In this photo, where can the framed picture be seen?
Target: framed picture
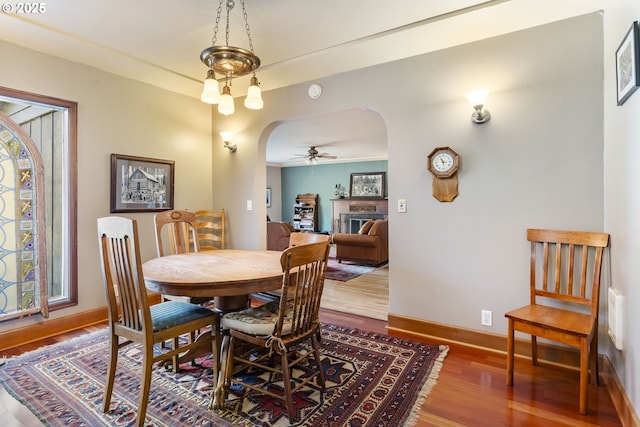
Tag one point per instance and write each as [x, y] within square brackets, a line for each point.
[268, 197]
[627, 71]
[141, 184]
[369, 185]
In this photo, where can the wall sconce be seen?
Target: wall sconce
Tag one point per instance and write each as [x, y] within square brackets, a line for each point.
[226, 137]
[477, 99]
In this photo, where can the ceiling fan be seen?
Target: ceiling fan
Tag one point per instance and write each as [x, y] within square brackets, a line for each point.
[312, 156]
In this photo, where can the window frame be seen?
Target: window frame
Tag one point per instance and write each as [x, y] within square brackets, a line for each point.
[70, 189]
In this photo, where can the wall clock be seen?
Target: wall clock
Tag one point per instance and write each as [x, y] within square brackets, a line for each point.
[443, 163]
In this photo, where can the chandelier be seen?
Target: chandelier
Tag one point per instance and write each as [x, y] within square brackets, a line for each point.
[230, 62]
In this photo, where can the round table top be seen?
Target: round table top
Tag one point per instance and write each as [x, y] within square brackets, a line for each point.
[225, 272]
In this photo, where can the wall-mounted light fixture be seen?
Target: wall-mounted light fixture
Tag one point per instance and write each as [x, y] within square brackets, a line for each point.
[477, 99]
[226, 137]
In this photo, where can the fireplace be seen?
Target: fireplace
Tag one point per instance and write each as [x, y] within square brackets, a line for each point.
[351, 222]
[348, 215]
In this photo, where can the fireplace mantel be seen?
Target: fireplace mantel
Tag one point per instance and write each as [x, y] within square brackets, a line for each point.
[348, 214]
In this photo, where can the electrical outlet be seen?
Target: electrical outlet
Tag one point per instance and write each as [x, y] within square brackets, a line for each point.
[487, 317]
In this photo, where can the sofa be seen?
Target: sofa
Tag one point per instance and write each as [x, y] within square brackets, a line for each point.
[369, 246]
[278, 235]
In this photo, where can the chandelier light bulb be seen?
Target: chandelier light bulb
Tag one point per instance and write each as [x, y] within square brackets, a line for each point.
[226, 105]
[253, 101]
[211, 92]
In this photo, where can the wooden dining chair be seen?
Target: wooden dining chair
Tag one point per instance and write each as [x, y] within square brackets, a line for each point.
[210, 229]
[134, 320]
[277, 327]
[565, 269]
[295, 239]
[179, 228]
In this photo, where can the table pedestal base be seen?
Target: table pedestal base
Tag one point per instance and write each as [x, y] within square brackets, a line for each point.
[231, 303]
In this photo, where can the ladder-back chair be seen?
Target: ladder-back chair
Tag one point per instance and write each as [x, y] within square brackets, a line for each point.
[565, 275]
[210, 229]
[278, 326]
[133, 319]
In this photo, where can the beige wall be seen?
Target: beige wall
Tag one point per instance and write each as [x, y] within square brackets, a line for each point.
[116, 115]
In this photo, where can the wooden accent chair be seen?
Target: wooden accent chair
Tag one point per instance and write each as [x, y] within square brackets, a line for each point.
[279, 325]
[131, 317]
[564, 276]
[210, 229]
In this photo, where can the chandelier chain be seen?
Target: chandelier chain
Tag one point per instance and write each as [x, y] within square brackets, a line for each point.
[215, 28]
[246, 26]
[230, 4]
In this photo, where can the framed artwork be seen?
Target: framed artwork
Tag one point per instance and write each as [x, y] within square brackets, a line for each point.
[627, 70]
[369, 185]
[141, 184]
[268, 197]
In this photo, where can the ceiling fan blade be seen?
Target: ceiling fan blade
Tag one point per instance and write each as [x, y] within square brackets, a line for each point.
[327, 156]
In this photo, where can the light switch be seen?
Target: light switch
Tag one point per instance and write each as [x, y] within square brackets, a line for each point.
[402, 205]
[249, 205]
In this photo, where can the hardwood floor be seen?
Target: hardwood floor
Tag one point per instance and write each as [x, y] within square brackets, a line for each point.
[471, 389]
[366, 295]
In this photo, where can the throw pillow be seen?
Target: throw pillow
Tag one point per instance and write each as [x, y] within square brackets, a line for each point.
[366, 227]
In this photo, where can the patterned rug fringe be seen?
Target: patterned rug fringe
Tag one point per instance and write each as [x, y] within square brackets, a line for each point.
[428, 386]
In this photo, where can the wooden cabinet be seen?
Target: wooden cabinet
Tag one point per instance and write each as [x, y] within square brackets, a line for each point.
[305, 212]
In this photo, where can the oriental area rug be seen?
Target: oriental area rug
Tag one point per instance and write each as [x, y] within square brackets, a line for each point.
[345, 271]
[371, 380]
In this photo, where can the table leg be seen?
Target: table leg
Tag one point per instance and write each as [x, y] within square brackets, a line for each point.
[217, 394]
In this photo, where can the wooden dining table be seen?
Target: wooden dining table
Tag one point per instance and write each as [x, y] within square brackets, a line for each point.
[227, 275]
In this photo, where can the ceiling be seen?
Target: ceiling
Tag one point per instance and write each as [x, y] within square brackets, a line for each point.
[159, 42]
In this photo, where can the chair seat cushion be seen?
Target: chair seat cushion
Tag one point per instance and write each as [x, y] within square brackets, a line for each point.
[171, 313]
[259, 321]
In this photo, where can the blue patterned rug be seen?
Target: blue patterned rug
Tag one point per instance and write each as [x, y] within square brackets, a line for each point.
[371, 380]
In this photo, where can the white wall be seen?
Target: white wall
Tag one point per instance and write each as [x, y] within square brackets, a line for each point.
[622, 196]
[116, 115]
